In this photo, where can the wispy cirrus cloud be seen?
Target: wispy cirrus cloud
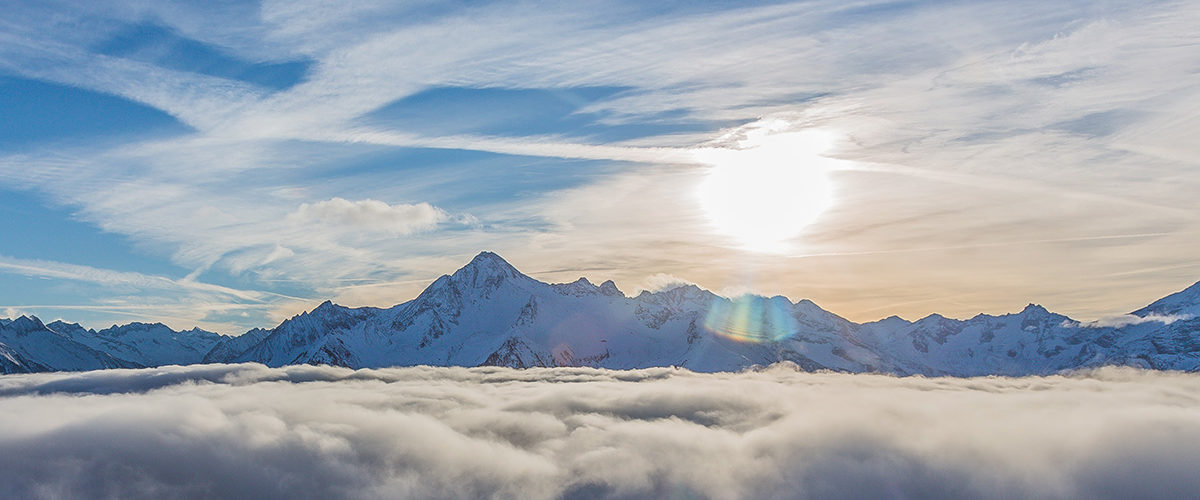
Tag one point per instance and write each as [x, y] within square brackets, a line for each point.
[179, 302]
[48, 269]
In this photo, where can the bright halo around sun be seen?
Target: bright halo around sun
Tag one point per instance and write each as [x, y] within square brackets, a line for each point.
[769, 188]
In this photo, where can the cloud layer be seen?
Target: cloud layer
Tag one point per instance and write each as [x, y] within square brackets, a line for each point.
[247, 431]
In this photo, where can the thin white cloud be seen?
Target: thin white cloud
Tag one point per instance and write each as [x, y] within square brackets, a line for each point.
[1129, 319]
[583, 433]
[547, 146]
[122, 295]
[75, 272]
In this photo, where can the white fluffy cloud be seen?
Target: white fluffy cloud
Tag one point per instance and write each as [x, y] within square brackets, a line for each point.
[663, 281]
[12, 312]
[401, 218]
[250, 431]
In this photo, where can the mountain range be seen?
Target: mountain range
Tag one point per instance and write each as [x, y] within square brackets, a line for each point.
[489, 313]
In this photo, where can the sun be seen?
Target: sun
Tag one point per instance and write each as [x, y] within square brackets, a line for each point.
[769, 188]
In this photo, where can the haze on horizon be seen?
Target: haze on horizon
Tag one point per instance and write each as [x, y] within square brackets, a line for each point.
[228, 166]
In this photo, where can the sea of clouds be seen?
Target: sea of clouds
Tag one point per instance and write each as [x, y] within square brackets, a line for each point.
[248, 431]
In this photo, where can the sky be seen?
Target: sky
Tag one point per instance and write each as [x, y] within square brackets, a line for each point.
[229, 164]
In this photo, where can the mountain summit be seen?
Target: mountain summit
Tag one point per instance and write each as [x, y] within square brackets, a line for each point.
[486, 270]
[489, 313]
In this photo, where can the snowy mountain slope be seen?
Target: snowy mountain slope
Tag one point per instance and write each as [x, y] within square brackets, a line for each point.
[147, 344]
[230, 347]
[11, 361]
[310, 337]
[1031, 341]
[28, 345]
[489, 313]
[1170, 346]
[1181, 304]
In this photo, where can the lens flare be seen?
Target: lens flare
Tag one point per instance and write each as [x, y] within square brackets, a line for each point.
[769, 188]
[751, 318]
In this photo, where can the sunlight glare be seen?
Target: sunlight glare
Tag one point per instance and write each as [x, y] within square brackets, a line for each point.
[769, 188]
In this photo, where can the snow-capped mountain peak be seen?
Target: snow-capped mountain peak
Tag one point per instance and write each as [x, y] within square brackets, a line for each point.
[325, 308]
[582, 286]
[1034, 310]
[578, 287]
[609, 288]
[26, 324]
[486, 270]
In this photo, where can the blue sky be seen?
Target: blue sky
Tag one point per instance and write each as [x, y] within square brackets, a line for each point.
[229, 164]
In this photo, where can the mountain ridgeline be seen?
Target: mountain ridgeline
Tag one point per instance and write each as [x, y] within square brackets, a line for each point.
[488, 313]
